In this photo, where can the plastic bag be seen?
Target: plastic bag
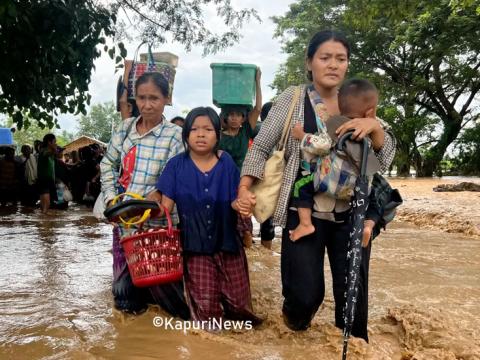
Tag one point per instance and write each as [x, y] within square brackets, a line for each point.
[99, 207]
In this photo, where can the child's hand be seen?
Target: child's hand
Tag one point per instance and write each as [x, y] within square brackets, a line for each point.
[258, 75]
[297, 132]
[244, 208]
[157, 197]
[367, 232]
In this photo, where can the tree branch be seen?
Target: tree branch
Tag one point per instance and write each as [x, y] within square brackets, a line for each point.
[462, 89]
[141, 14]
[439, 89]
[474, 92]
[427, 142]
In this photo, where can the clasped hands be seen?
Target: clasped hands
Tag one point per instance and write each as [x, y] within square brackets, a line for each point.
[245, 202]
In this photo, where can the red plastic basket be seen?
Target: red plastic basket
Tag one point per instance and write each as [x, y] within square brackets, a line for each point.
[154, 255]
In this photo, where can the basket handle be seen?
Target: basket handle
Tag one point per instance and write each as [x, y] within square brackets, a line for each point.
[136, 219]
[169, 221]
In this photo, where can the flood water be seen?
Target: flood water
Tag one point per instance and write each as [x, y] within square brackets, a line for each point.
[55, 300]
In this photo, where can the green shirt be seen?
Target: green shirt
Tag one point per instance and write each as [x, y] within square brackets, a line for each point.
[237, 145]
[46, 166]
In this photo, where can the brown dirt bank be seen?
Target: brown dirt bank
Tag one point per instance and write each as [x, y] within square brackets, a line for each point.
[448, 211]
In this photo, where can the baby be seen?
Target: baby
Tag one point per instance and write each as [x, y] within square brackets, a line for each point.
[357, 98]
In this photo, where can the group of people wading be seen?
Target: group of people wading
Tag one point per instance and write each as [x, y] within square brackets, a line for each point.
[207, 169]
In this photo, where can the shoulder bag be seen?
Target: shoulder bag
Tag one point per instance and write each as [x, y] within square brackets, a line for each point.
[267, 190]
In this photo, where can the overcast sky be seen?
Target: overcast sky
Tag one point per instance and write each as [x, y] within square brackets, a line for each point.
[193, 80]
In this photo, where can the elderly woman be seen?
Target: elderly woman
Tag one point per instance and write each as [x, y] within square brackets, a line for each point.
[136, 156]
[302, 261]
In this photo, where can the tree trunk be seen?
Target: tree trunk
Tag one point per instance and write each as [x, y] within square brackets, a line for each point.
[402, 161]
[431, 161]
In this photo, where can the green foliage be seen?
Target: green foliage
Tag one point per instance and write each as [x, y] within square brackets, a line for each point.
[48, 47]
[467, 162]
[98, 123]
[184, 21]
[64, 137]
[422, 55]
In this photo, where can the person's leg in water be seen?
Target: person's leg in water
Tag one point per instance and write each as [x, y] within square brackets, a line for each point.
[302, 269]
[45, 202]
[202, 287]
[244, 228]
[267, 233]
[303, 199]
[126, 297]
[337, 248]
[235, 287]
[45, 192]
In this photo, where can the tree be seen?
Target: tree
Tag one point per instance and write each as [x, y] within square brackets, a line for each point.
[35, 132]
[423, 56]
[99, 122]
[48, 47]
[468, 147]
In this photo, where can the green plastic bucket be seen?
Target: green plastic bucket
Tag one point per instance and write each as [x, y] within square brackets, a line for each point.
[233, 84]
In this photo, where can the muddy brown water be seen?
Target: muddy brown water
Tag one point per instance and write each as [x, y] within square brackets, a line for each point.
[55, 300]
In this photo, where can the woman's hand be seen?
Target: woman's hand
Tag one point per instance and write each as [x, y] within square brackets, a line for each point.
[363, 127]
[245, 201]
[298, 132]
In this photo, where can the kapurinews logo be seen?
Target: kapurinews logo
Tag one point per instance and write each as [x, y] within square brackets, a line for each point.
[212, 324]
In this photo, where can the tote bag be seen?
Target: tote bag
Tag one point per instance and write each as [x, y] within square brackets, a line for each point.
[267, 190]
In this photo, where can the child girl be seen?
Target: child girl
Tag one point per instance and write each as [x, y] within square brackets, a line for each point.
[239, 129]
[203, 183]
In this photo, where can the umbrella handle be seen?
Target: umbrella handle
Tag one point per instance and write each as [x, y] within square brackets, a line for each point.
[342, 144]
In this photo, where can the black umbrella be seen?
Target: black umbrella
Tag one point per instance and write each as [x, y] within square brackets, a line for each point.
[354, 255]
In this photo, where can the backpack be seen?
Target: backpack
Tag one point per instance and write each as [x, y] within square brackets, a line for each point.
[383, 203]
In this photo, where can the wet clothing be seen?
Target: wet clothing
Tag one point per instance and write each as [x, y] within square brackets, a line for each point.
[132, 299]
[269, 136]
[237, 146]
[267, 230]
[244, 225]
[216, 270]
[302, 261]
[9, 183]
[203, 201]
[153, 149]
[46, 166]
[304, 286]
[218, 285]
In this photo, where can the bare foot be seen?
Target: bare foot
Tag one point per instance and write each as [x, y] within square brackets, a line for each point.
[247, 239]
[301, 231]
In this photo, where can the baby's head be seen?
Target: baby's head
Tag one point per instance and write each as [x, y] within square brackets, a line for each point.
[358, 98]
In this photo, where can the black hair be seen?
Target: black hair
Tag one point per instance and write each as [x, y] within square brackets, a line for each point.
[265, 110]
[181, 118]
[229, 109]
[353, 88]
[25, 147]
[190, 119]
[48, 139]
[157, 79]
[321, 37]
[133, 104]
